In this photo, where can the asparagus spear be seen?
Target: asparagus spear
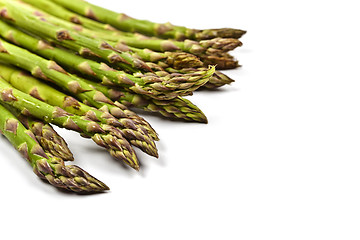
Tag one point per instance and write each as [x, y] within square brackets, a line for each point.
[48, 138]
[208, 47]
[209, 56]
[46, 166]
[177, 60]
[176, 108]
[25, 83]
[51, 142]
[222, 61]
[218, 79]
[104, 135]
[129, 24]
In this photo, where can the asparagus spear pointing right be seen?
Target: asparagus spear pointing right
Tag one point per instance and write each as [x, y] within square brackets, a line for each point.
[51, 142]
[47, 167]
[176, 108]
[48, 138]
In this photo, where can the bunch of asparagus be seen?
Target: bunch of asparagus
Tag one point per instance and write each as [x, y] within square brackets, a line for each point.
[82, 67]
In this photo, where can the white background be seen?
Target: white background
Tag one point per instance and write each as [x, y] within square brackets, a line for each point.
[279, 158]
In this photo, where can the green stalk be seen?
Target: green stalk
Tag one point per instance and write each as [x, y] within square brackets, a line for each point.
[104, 135]
[177, 60]
[61, 12]
[51, 142]
[207, 56]
[223, 61]
[28, 84]
[204, 47]
[176, 108]
[48, 138]
[211, 46]
[129, 24]
[218, 79]
[44, 165]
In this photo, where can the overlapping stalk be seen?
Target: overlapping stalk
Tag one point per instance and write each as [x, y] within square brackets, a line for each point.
[46, 166]
[48, 138]
[176, 108]
[51, 142]
[218, 79]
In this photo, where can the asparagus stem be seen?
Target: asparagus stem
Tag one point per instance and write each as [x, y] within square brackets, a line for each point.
[223, 61]
[63, 13]
[129, 24]
[218, 79]
[51, 142]
[177, 60]
[46, 166]
[176, 108]
[103, 135]
[48, 138]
